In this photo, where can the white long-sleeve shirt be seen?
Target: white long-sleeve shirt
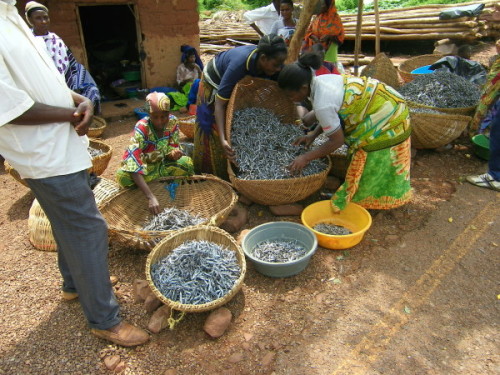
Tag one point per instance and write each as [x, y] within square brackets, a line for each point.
[263, 17]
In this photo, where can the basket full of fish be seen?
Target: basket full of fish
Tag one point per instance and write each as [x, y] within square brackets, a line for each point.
[196, 269]
[260, 127]
[187, 202]
[440, 107]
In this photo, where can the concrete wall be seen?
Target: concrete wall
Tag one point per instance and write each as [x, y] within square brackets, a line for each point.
[165, 25]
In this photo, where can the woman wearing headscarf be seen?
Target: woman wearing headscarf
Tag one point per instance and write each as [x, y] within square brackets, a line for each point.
[154, 150]
[326, 29]
[220, 76]
[77, 77]
[370, 117]
[189, 73]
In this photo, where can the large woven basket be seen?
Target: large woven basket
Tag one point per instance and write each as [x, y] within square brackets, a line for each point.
[186, 125]
[99, 163]
[97, 127]
[40, 230]
[256, 92]
[381, 68]
[205, 195]
[464, 111]
[407, 66]
[433, 130]
[205, 233]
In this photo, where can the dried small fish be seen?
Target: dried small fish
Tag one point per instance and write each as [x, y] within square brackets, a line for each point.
[196, 272]
[332, 229]
[279, 251]
[172, 218]
[263, 146]
[94, 152]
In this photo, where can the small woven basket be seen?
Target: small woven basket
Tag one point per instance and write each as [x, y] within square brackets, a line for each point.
[97, 127]
[382, 69]
[205, 233]
[100, 162]
[40, 230]
[205, 195]
[186, 125]
[262, 93]
[433, 130]
[407, 66]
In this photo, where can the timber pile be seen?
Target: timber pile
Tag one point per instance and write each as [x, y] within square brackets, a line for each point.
[422, 22]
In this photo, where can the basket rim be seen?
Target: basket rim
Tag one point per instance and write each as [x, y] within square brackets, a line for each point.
[444, 110]
[100, 120]
[402, 65]
[206, 306]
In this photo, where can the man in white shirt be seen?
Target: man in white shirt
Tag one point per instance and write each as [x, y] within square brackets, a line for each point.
[42, 135]
[262, 19]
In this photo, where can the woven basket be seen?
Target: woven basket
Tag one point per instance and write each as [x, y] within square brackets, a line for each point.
[186, 125]
[256, 92]
[97, 127]
[464, 111]
[99, 163]
[40, 230]
[126, 213]
[174, 240]
[407, 66]
[382, 69]
[433, 130]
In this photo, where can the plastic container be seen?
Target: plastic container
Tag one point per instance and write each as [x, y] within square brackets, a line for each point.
[353, 217]
[280, 230]
[132, 75]
[422, 70]
[481, 146]
[132, 92]
[140, 113]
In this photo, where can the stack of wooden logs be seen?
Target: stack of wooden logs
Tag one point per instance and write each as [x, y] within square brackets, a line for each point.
[422, 22]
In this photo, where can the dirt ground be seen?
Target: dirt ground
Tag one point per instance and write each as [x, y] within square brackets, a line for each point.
[419, 294]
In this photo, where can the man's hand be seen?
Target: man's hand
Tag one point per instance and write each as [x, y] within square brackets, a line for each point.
[305, 140]
[83, 115]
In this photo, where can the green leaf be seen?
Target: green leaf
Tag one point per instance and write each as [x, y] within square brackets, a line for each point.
[340, 257]
[346, 253]
[407, 310]
[337, 281]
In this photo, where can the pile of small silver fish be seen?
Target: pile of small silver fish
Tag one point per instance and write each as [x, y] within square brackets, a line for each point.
[263, 146]
[279, 251]
[332, 229]
[442, 90]
[94, 152]
[172, 218]
[196, 272]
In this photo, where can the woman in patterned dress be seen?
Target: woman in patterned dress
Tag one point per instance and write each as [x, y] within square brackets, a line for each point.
[370, 117]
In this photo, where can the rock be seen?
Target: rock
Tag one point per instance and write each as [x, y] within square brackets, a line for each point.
[151, 303]
[241, 236]
[237, 218]
[287, 209]
[268, 358]
[170, 371]
[332, 183]
[245, 200]
[120, 367]
[245, 346]
[113, 280]
[248, 336]
[141, 290]
[159, 319]
[217, 322]
[236, 357]
[111, 361]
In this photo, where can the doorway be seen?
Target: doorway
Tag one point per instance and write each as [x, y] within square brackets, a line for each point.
[111, 40]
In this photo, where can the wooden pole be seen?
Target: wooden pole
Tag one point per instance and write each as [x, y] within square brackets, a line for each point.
[357, 40]
[377, 28]
[300, 30]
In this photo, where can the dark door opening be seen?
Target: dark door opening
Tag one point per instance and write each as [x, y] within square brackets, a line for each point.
[110, 38]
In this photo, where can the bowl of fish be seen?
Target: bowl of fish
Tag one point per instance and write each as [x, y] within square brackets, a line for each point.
[337, 231]
[280, 249]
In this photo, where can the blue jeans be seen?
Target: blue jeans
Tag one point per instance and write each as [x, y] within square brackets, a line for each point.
[81, 235]
[494, 161]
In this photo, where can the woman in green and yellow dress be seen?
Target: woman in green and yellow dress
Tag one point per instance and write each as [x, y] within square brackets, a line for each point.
[154, 150]
[370, 117]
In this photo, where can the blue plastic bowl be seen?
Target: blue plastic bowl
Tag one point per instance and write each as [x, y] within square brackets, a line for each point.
[280, 230]
[422, 70]
[139, 112]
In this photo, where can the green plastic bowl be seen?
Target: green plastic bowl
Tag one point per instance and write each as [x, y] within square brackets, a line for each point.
[481, 146]
[280, 230]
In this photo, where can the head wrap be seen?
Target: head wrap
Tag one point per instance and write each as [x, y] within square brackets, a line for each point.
[31, 6]
[185, 49]
[157, 101]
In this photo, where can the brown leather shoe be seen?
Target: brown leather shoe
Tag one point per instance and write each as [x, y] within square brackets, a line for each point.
[123, 334]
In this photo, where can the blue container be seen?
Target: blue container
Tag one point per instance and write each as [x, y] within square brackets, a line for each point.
[422, 70]
[280, 230]
[140, 113]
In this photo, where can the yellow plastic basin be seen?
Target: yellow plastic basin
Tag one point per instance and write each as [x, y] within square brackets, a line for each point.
[353, 217]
